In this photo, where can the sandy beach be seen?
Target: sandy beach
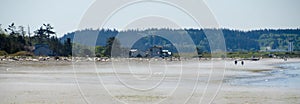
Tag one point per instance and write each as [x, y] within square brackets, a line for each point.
[192, 81]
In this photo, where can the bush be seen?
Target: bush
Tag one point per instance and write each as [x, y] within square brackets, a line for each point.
[23, 53]
[3, 53]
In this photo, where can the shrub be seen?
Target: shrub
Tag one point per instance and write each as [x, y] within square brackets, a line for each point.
[3, 53]
[23, 53]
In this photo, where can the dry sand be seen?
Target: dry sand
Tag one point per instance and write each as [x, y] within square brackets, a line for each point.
[140, 82]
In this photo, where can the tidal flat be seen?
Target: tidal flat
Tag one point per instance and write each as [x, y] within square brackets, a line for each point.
[267, 81]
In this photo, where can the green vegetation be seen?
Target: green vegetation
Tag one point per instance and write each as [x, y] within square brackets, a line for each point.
[14, 41]
[243, 44]
[262, 54]
[279, 41]
[22, 53]
[3, 53]
[98, 51]
[235, 40]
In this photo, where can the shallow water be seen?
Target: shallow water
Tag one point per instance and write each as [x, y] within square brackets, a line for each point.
[286, 75]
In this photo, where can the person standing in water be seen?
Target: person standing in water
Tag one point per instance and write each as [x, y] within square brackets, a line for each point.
[235, 62]
[242, 62]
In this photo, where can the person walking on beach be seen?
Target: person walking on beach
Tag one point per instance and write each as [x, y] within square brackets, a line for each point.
[242, 62]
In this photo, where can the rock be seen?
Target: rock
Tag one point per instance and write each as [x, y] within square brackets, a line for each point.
[35, 60]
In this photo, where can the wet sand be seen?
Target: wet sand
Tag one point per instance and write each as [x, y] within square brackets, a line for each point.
[188, 81]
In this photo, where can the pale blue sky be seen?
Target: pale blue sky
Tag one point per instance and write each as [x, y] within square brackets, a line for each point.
[256, 14]
[65, 15]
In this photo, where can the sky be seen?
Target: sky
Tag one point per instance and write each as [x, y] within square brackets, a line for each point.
[66, 15]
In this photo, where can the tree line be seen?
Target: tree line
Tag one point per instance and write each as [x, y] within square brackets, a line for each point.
[235, 40]
[14, 39]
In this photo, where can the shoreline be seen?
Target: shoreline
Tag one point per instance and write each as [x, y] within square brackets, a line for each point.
[264, 75]
[105, 59]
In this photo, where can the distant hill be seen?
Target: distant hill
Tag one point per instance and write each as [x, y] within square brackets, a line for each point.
[235, 40]
[103, 35]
